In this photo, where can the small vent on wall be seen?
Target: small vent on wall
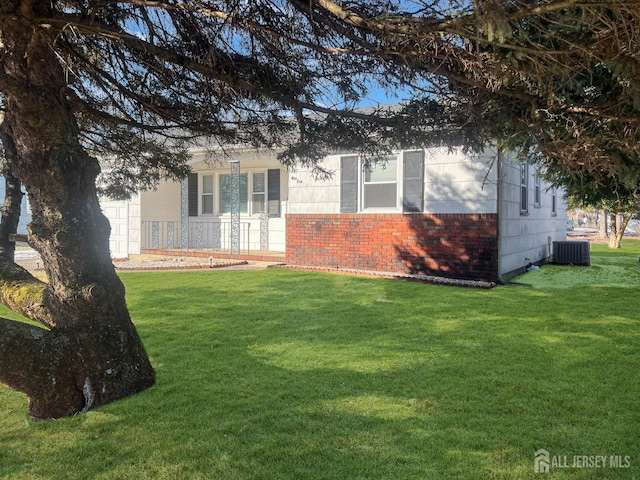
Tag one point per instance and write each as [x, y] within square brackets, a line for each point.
[571, 253]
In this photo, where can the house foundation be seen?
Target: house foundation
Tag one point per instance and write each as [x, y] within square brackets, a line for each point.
[450, 245]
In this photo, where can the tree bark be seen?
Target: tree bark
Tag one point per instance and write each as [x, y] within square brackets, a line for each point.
[602, 223]
[90, 353]
[619, 224]
[614, 239]
[12, 201]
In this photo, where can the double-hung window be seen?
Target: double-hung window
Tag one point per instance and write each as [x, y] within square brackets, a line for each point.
[537, 189]
[258, 193]
[393, 183]
[380, 186]
[207, 194]
[554, 201]
[524, 189]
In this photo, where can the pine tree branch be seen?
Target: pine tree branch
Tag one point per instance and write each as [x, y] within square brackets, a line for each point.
[24, 294]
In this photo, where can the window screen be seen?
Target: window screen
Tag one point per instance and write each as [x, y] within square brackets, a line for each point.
[381, 184]
[258, 193]
[207, 194]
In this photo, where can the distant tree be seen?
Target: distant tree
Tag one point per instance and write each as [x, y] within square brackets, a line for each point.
[618, 200]
[133, 82]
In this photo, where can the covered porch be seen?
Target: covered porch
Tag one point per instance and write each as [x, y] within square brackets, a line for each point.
[216, 238]
[223, 210]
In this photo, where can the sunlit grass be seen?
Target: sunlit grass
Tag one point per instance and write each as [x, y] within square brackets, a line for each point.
[290, 375]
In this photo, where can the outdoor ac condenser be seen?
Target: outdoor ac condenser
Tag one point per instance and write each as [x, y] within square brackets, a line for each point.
[571, 253]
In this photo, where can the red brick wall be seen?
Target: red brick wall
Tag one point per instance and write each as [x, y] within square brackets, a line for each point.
[451, 245]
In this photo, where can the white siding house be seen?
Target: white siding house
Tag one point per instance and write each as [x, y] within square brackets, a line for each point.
[532, 216]
[435, 211]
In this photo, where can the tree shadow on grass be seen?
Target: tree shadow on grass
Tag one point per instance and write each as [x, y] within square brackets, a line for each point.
[363, 379]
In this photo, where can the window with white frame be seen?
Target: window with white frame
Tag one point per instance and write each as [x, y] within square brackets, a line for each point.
[380, 184]
[258, 191]
[393, 183]
[554, 204]
[537, 189]
[524, 189]
[210, 193]
[207, 194]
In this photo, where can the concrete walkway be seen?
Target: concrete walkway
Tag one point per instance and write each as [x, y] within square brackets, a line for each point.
[30, 260]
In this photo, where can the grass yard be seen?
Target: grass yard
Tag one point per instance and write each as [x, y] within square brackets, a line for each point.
[282, 374]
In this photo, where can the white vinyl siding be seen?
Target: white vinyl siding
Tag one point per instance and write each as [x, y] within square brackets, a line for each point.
[526, 238]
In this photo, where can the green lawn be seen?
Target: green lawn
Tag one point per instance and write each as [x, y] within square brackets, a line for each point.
[282, 374]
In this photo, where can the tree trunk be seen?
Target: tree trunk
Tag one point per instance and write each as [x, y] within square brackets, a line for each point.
[10, 217]
[614, 238]
[90, 353]
[619, 224]
[602, 223]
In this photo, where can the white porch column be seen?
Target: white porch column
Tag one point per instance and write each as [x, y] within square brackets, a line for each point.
[235, 208]
[184, 214]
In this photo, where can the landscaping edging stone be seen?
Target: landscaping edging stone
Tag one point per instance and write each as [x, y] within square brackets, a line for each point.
[398, 276]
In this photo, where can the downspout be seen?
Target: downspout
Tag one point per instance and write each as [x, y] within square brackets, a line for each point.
[499, 210]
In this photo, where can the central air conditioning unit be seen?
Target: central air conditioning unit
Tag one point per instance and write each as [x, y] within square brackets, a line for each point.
[571, 253]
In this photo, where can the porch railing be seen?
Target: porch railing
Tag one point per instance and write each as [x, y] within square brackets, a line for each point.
[159, 235]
